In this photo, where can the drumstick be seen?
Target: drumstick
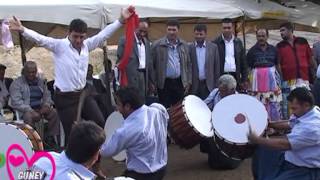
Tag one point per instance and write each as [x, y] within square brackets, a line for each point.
[249, 124]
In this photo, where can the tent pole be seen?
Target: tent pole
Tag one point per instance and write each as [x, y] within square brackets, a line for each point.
[23, 52]
[244, 31]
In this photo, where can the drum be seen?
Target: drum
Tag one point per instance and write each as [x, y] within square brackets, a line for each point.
[190, 121]
[113, 122]
[231, 119]
[23, 135]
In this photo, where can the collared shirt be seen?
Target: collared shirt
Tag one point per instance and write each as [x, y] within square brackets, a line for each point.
[213, 98]
[305, 140]
[141, 53]
[173, 65]
[66, 169]
[257, 57]
[70, 66]
[318, 71]
[201, 59]
[230, 61]
[143, 135]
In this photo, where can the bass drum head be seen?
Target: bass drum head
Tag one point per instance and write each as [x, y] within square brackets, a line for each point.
[232, 115]
[114, 121]
[198, 114]
[11, 134]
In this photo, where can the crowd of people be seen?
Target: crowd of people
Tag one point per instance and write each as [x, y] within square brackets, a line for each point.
[282, 77]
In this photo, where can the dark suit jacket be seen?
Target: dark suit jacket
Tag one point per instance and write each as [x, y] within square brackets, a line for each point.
[8, 82]
[240, 58]
[133, 65]
[212, 66]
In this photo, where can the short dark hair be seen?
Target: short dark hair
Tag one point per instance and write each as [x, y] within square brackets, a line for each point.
[302, 95]
[200, 27]
[287, 25]
[131, 96]
[226, 20]
[3, 67]
[84, 141]
[78, 25]
[267, 31]
[173, 22]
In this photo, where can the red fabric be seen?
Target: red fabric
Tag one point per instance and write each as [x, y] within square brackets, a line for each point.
[131, 25]
[292, 67]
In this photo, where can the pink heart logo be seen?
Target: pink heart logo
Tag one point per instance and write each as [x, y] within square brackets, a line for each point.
[17, 161]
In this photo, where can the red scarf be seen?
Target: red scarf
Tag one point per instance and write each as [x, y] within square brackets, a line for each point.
[131, 25]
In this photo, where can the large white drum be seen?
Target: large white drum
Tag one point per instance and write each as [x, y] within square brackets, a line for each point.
[113, 122]
[190, 121]
[23, 135]
[231, 118]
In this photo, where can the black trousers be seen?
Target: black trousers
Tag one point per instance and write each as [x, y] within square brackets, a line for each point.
[202, 91]
[158, 175]
[172, 92]
[67, 103]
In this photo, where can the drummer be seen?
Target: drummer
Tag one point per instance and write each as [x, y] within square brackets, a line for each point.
[143, 135]
[301, 159]
[226, 86]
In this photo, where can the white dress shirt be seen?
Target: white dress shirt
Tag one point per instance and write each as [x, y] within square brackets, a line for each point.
[201, 60]
[230, 62]
[141, 53]
[65, 168]
[71, 67]
[318, 71]
[143, 135]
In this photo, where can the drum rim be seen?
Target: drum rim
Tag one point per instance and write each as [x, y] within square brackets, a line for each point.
[24, 134]
[259, 134]
[189, 122]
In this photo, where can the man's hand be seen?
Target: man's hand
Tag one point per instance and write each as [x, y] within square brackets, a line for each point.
[253, 137]
[45, 109]
[126, 13]
[35, 116]
[152, 89]
[16, 25]
[187, 89]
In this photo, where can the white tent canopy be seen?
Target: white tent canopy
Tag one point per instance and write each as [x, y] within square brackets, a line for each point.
[97, 12]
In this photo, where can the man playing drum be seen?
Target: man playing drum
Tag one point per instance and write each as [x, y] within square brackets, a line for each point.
[301, 159]
[226, 86]
[143, 135]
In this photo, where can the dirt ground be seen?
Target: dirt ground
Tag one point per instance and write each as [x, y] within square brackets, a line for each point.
[187, 165]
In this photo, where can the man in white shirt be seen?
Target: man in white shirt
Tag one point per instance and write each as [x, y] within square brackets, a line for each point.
[81, 153]
[71, 57]
[143, 135]
[232, 54]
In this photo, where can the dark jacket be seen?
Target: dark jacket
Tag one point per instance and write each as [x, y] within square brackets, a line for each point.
[240, 58]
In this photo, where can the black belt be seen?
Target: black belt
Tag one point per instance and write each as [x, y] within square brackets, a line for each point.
[142, 70]
[76, 92]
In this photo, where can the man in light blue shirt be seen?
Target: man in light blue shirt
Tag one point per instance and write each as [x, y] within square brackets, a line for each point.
[302, 145]
[81, 154]
[143, 135]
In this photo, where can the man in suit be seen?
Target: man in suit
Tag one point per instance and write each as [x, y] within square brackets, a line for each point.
[205, 63]
[172, 65]
[139, 68]
[232, 54]
[4, 87]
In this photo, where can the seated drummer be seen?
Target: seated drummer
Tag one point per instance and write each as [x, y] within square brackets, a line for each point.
[226, 86]
[301, 159]
[143, 135]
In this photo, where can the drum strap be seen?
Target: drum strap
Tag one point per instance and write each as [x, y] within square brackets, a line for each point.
[211, 104]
